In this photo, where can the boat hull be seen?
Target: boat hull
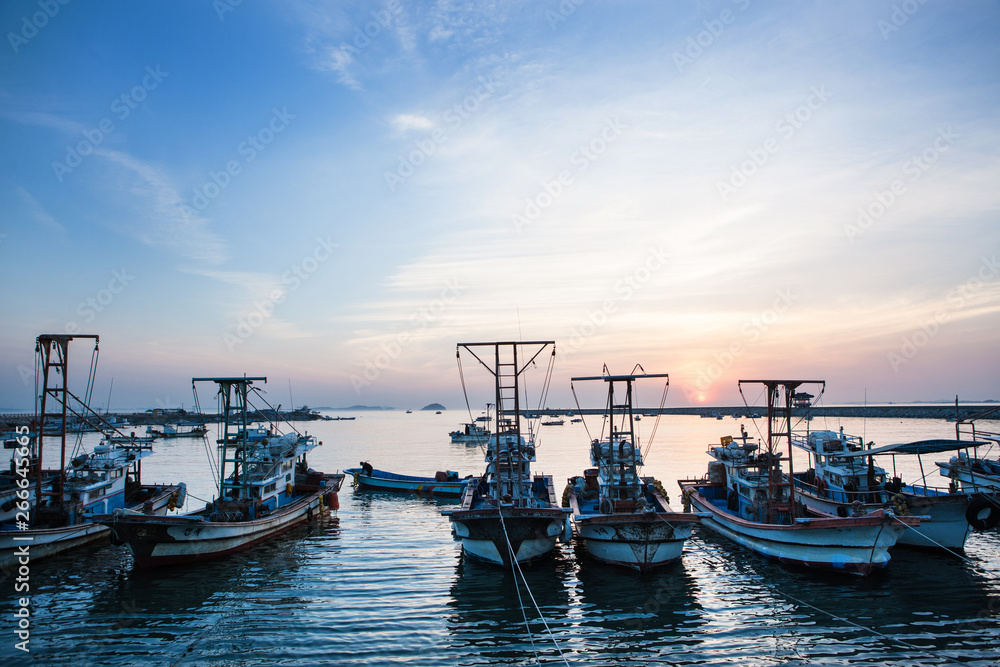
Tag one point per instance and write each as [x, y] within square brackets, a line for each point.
[637, 541]
[42, 542]
[426, 486]
[491, 535]
[946, 528]
[856, 545]
[160, 541]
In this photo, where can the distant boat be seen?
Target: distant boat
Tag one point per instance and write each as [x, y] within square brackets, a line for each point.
[471, 434]
[266, 487]
[171, 431]
[445, 484]
[622, 518]
[553, 422]
[508, 516]
[751, 501]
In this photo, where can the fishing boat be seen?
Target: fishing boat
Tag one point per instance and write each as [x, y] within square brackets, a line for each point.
[973, 473]
[622, 518]
[752, 501]
[509, 516]
[265, 488]
[445, 484]
[844, 472]
[55, 510]
[471, 434]
[171, 431]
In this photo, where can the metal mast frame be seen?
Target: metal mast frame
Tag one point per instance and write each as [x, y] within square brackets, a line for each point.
[53, 352]
[622, 490]
[781, 398]
[235, 434]
[505, 445]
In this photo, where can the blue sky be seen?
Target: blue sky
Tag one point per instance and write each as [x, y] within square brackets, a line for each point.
[333, 195]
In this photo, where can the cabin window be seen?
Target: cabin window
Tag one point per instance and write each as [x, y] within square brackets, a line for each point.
[288, 478]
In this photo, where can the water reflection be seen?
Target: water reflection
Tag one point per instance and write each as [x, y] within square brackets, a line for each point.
[488, 605]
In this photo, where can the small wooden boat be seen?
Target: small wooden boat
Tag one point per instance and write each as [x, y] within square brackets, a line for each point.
[751, 501]
[444, 484]
[508, 516]
[171, 431]
[269, 490]
[622, 518]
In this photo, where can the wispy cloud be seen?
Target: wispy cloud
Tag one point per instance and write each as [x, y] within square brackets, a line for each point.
[43, 119]
[156, 215]
[37, 212]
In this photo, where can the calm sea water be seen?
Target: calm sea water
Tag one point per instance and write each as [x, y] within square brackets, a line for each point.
[385, 583]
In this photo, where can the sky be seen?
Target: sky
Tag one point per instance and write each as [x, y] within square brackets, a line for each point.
[333, 195]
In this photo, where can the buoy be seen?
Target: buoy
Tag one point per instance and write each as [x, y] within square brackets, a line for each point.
[334, 501]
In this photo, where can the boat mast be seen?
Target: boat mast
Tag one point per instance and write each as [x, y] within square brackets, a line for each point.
[781, 398]
[505, 452]
[235, 434]
[622, 461]
[53, 353]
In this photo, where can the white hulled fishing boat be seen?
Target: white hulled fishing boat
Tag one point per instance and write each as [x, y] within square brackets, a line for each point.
[507, 515]
[265, 488]
[752, 501]
[844, 472]
[622, 518]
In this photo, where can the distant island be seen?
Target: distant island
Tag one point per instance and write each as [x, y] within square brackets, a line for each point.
[434, 406]
[361, 407]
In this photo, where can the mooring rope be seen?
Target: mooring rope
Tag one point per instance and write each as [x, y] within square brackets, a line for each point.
[968, 561]
[782, 593]
[517, 566]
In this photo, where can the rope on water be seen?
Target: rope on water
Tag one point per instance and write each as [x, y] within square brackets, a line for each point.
[517, 566]
[782, 593]
[968, 561]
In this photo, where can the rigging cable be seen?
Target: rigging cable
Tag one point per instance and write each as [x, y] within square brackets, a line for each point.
[580, 412]
[87, 393]
[656, 422]
[465, 393]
